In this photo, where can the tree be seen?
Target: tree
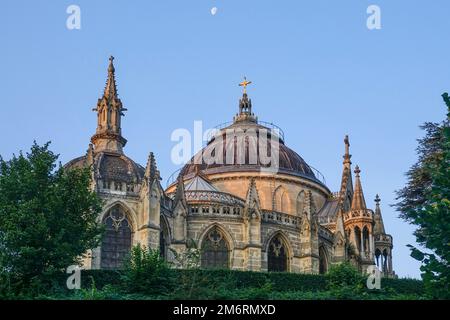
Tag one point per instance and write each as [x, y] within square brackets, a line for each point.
[48, 216]
[425, 202]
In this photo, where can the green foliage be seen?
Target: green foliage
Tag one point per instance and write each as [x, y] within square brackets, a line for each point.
[425, 202]
[232, 284]
[147, 272]
[47, 218]
[403, 286]
[101, 278]
[244, 285]
[344, 275]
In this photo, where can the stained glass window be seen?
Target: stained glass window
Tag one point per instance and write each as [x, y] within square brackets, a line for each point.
[215, 250]
[116, 242]
[277, 255]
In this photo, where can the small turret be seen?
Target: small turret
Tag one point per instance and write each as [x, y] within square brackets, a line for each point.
[358, 202]
[108, 136]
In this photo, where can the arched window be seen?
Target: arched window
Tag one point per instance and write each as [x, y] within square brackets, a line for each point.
[300, 202]
[366, 239]
[215, 250]
[385, 261]
[280, 200]
[323, 261]
[377, 257]
[163, 239]
[277, 255]
[116, 242]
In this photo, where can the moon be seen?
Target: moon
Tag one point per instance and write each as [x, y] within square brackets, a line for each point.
[214, 11]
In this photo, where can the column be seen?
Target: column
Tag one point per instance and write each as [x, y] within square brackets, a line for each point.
[362, 244]
[371, 244]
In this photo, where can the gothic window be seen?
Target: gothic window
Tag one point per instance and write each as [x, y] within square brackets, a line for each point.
[323, 261]
[226, 210]
[377, 257]
[277, 255]
[366, 239]
[385, 262]
[215, 251]
[205, 209]
[116, 242]
[163, 239]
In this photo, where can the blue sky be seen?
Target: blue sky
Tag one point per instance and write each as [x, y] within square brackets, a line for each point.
[317, 72]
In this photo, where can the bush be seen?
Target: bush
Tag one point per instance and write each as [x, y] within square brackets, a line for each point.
[147, 272]
[101, 278]
[344, 276]
[150, 278]
[404, 286]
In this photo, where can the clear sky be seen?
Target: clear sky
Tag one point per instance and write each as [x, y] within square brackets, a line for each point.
[317, 72]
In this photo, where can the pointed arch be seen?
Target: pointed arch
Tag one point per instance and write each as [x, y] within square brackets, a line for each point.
[118, 237]
[323, 260]
[278, 251]
[366, 239]
[300, 202]
[377, 257]
[164, 237]
[280, 199]
[385, 256]
[131, 215]
[216, 248]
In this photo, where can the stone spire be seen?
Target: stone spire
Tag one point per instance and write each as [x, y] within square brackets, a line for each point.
[358, 202]
[245, 105]
[347, 154]
[346, 190]
[379, 225]
[108, 136]
[180, 196]
[252, 198]
[151, 170]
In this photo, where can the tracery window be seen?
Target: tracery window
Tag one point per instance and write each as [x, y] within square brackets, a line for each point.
[277, 255]
[215, 250]
[116, 242]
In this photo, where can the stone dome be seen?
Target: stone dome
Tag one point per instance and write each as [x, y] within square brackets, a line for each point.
[252, 132]
[112, 166]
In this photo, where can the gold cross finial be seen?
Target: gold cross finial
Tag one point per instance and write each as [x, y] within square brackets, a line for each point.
[244, 84]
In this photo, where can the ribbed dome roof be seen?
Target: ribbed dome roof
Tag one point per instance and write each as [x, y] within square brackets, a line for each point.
[112, 166]
[250, 134]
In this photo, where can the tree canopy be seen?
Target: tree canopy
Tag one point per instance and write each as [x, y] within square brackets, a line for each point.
[425, 202]
[48, 215]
